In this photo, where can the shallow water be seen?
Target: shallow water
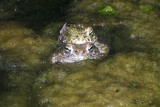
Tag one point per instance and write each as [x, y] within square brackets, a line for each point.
[129, 76]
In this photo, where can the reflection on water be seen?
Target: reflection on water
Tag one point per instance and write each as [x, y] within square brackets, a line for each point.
[128, 76]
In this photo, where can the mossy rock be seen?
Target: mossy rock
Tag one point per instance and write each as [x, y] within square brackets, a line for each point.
[22, 47]
[116, 78]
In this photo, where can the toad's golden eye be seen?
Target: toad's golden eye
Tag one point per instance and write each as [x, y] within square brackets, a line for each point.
[91, 48]
[67, 49]
[91, 32]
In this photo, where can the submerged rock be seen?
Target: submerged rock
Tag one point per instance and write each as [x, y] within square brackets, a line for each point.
[123, 80]
[21, 47]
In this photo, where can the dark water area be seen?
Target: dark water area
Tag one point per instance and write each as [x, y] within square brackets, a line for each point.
[129, 76]
[34, 13]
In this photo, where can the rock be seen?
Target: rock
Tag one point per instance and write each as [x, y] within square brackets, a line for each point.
[130, 79]
[21, 47]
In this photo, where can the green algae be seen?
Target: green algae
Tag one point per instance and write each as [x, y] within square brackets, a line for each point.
[22, 46]
[146, 8]
[106, 10]
[21, 50]
[117, 78]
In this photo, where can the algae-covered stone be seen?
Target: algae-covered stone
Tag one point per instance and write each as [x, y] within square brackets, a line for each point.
[134, 74]
[21, 47]
[106, 10]
[123, 80]
[146, 8]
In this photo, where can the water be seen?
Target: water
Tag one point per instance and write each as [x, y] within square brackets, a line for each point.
[128, 76]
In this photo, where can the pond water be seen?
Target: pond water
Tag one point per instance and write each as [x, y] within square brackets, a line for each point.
[129, 76]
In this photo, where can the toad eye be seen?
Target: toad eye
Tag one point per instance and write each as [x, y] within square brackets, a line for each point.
[67, 49]
[91, 48]
[91, 32]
